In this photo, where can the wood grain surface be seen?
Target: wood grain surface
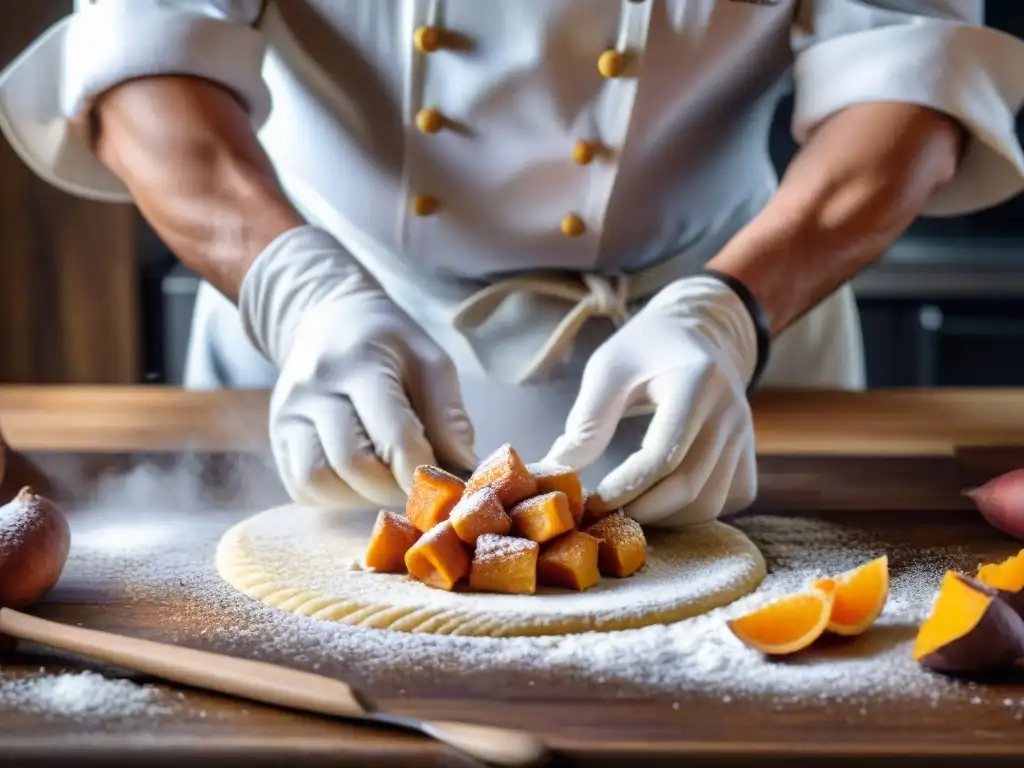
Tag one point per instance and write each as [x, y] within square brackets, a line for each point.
[877, 423]
[911, 502]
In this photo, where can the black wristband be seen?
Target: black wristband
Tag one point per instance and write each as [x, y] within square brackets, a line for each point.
[762, 329]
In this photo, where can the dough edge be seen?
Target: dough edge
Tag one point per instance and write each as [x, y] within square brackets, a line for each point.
[235, 567]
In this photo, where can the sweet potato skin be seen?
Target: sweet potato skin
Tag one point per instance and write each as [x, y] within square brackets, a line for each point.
[1001, 502]
[995, 642]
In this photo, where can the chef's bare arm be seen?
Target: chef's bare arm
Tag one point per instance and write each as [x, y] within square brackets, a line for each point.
[854, 187]
[902, 108]
[186, 150]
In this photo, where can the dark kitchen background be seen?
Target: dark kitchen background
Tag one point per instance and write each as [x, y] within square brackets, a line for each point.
[89, 295]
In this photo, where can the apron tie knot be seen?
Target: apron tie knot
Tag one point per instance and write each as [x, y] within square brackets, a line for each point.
[606, 299]
[592, 296]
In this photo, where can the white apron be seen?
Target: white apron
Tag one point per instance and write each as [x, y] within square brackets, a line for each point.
[519, 344]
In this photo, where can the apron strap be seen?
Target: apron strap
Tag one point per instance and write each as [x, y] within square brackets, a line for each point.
[594, 296]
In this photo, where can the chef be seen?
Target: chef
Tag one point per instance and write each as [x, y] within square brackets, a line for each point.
[435, 226]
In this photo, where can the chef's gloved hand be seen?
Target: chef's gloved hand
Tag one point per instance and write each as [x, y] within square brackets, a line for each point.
[688, 357]
[363, 395]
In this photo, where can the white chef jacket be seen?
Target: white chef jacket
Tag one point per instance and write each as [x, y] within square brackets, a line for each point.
[450, 144]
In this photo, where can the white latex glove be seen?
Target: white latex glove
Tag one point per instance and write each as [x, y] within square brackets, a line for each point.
[363, 395]
[687, 357]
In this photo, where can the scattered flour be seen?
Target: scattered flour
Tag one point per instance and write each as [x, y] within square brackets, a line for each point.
[491, 548]
[83, 696]
[163, 560]
[17, 518]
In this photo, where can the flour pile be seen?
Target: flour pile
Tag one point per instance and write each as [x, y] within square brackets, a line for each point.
[84, 696]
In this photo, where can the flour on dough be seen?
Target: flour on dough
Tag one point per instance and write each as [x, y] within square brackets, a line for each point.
[301, 560]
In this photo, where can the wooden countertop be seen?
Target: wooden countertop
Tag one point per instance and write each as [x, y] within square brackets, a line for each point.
[923, 432]
[876, 423]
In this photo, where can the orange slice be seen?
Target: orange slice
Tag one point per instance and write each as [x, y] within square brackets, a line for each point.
[860, 596]
[1007, 575]
[787, 625]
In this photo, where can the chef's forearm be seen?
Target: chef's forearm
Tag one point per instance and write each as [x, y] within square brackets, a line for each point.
[188, 154]
[851, 191]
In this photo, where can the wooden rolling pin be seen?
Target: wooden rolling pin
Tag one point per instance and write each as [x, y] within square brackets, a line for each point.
[266, 683]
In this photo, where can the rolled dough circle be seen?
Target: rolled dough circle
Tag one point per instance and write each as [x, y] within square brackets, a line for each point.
[307, 561]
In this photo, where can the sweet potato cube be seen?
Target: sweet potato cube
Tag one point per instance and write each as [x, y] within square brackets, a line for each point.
[391, 538]
[554, 477]
[505, 472]
[623, 548]
[439, 559]
[570, 562]
[543, 517]
[504, 564]
[478, 513]
[433, 495]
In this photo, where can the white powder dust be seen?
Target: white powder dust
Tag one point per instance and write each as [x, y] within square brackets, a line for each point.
[491, 548]
[84, 696]
[17, 518]
[162, 561]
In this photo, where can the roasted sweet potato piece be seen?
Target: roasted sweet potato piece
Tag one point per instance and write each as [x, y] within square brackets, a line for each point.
[477, 513]
[391, 538]
[570, 562]
[1007, 575]
[505, 472]
[433, 495]
[554, 477]
[1008, 578]
[623, 549]
[439, 559]
[504, 564]
[971, 628]
[541, 518]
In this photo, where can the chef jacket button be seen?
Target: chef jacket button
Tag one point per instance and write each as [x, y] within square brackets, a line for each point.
[583, 152]
[611, 63]
[427, 39]
[429, 120]
[424, 205]
[572, 225]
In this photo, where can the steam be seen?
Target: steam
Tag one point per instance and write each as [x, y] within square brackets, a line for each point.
[165, 482]
[156, 502]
